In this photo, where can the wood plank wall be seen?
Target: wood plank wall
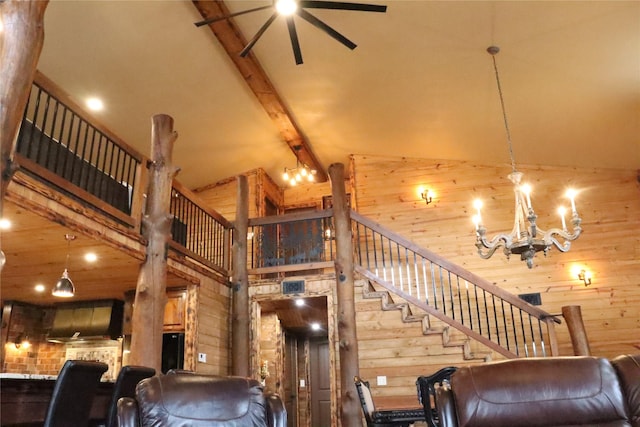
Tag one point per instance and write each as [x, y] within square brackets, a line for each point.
[221, 196]
[207, 329]
[609, 203]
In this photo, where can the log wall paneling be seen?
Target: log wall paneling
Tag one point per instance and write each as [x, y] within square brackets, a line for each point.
[609, 202]
[266, 290]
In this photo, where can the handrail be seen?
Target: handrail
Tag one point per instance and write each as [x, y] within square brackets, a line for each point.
[447, 291]
[199, 231]
[298, 241]
[454, 268]
[64, 145]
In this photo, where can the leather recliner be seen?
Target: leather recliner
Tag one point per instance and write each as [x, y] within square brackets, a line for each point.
[195, 400]
[540, 392]
[628, 368]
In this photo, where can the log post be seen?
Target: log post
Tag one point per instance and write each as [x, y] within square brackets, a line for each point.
[573, 316]
[151, 295]
[240, 340]
[21, 39]
[348, 340]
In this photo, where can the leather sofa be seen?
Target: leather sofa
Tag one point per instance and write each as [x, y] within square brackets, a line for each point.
[180, 400]
[544, 392]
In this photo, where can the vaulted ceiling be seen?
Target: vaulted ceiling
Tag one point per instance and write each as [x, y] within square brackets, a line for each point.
[419, 81]
[419, 84]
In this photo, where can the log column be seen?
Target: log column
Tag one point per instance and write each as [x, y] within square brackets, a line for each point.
[151, 289]
[348, 340]
[240, 284]
[573, 316]
[21, 39]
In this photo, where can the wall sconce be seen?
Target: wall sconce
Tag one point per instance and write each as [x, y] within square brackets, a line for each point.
[585, 276]
[427, 195]
[22, 341]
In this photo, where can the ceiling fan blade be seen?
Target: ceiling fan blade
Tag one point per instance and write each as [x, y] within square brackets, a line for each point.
[259, 34]
[295, 44]
[319, 4]
[327, 29]
[220, 18]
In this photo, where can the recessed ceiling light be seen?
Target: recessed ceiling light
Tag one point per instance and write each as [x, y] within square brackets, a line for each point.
[90, 257]
[39, 287]
[5, 224]
[95, 104]
[315, 326]
[299, 302]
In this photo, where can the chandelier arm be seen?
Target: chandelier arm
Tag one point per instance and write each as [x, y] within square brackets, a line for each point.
[495, 243]
[549, 238]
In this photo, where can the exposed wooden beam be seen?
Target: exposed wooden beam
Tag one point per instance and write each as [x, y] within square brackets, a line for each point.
[232, 40]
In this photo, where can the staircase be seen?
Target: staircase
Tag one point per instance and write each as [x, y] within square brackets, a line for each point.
[426, 282]
[408, 316]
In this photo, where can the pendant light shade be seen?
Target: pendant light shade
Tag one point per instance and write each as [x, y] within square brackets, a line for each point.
[64, 288]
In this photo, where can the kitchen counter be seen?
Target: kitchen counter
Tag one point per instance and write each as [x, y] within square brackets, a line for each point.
[24, 399]
[16, 376]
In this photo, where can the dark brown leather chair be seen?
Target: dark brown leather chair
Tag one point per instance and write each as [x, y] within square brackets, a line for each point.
[535, 392]
[73, 393]
[125, 386]
[628, 369]
[201, 400]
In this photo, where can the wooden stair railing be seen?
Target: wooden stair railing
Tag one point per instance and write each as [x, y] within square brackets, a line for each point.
[490, 315]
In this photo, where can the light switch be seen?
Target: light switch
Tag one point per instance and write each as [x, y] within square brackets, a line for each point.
[382, 380]
[202, 357]
[302, 384]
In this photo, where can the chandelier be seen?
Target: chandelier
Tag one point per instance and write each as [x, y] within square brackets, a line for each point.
[298, 174]
[526, 238]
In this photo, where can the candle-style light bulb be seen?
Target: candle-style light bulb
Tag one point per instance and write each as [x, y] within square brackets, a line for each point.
[562, 210]
[526, 189]
[476, 221]
[571, 194]
[477, 204]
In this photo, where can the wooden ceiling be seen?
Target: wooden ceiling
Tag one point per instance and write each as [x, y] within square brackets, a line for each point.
[298, 319]
[36, 251]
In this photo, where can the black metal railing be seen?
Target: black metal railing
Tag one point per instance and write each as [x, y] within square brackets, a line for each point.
[204, 233]
[483, 311]
[291, 242]
[56, 138]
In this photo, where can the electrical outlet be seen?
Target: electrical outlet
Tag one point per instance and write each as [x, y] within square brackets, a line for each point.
[302, 384]
[202, 357]
[382, 380]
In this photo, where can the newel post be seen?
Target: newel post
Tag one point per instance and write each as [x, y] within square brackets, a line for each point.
[348, 340]
[573, 316]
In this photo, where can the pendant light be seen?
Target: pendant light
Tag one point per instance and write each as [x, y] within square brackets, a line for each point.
[64, 288]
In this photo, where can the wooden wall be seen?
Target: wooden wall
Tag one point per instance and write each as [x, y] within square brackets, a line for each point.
[208, 296]
[222, 195]
[608, 202]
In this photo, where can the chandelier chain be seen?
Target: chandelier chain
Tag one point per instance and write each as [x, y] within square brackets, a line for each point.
[504, 113]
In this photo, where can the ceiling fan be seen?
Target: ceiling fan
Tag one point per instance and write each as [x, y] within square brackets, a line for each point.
[288, 8]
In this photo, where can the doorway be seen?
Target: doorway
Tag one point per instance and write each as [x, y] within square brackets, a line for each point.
[301, 355]
[319, 382]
